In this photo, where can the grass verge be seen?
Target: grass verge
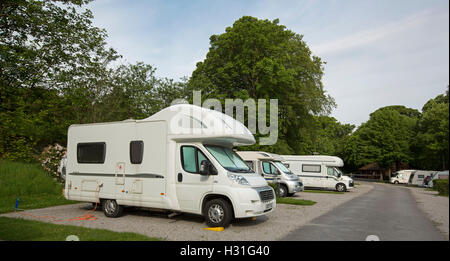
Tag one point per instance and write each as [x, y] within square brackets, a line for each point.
[292, 201]
[16, 229]
[35, 187]
[322, 191]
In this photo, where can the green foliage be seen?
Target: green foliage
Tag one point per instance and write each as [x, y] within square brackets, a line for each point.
[261, 59]
[55, 71]
[35, 187]
[384, 139]
[431, 147]
[442, 186]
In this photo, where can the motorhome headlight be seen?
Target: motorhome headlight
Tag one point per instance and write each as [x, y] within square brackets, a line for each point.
[238, 179]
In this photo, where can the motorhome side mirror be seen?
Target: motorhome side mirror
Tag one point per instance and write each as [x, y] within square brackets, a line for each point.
[206, 168]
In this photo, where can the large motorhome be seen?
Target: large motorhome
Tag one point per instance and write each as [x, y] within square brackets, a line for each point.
[180, 159]
[401, 176]
[317, 171]
[270, 166]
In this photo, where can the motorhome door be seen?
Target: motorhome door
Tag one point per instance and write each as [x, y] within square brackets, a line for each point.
[190, 185]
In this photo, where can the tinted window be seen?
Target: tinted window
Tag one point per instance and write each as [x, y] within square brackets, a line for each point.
[191, 158]
[311, 168]
[188, 159]
[136, 151]
[268, 168]
[91, 152]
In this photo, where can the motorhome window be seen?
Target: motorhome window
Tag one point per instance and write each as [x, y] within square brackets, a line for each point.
[421, 176]
[136, 151]
[282, 167]
[250, 164]
[228, 159]
[191, 159]
[188, 159]
[200, 157]
[311, 168]
[91, 153]
[268, 168]
[332, 172]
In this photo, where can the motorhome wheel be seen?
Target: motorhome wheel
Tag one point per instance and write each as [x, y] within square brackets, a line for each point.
[282, 190]
[396, 182]
[341, 187]
[218, 213]
[111, 208]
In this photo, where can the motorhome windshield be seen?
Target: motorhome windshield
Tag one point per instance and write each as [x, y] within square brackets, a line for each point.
[282, 167]
[228, 159]
[332, 171]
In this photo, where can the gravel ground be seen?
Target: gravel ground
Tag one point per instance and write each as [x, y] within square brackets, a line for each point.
[273, 226]
[434, 206]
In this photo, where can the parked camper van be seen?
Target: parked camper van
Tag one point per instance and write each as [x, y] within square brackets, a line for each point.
[418, 177]
[319, 171]
[401, 176]
[270, 167]
[180, 159]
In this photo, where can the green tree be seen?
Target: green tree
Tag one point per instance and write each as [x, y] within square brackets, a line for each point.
[384, 139]
[47, 48]
[431, 146]
[261, 59]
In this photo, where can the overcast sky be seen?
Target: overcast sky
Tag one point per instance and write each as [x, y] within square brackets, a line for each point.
[378, 53]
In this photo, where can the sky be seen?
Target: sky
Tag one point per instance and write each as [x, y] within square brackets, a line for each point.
[377, 52]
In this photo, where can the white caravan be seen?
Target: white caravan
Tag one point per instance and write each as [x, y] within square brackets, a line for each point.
[401, 176]
[270, 167]
[418, 177]
[180, 159]
[319, 171]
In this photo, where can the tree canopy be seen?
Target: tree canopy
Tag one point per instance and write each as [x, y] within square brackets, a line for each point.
[261, 59]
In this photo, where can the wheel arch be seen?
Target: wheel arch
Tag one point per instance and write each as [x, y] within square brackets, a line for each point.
[212, 196]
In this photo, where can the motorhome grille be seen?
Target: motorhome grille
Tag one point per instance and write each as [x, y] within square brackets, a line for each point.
[266, 195]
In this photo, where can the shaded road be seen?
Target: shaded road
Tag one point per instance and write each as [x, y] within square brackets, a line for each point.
[389, 212]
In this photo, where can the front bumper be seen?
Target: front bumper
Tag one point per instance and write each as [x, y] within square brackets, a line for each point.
[294, 186]
[254, 202]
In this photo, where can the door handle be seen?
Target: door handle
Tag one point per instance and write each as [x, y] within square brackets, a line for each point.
[180, 177]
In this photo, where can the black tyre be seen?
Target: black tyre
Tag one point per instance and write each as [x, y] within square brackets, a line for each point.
[290, 194]
[282, 190]
[340, 187]
[111, 208]
[218, 213]
[396, 182]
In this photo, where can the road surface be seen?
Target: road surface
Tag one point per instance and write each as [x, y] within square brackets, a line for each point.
[387, 213]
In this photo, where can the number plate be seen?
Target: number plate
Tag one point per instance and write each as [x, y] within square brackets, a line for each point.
[268, 206]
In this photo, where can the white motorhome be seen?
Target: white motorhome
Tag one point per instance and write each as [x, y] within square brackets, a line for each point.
[270, 167]
[180, 159]
[401, 176]
[318, 171]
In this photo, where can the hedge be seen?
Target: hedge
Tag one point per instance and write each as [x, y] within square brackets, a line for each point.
[441, 185]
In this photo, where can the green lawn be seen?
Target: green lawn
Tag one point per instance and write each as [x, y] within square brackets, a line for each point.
[292, 201]
[322, 191]
[35, 187]
[16, 229]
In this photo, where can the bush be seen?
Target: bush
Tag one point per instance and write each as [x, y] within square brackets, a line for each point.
[441, 185]
[50, 159]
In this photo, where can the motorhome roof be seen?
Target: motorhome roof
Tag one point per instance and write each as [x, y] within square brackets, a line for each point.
[187, 122]
[259, 155]
[191, 122]
[330, 160]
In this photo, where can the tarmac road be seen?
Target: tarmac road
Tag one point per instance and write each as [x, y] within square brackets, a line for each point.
[388, 212]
